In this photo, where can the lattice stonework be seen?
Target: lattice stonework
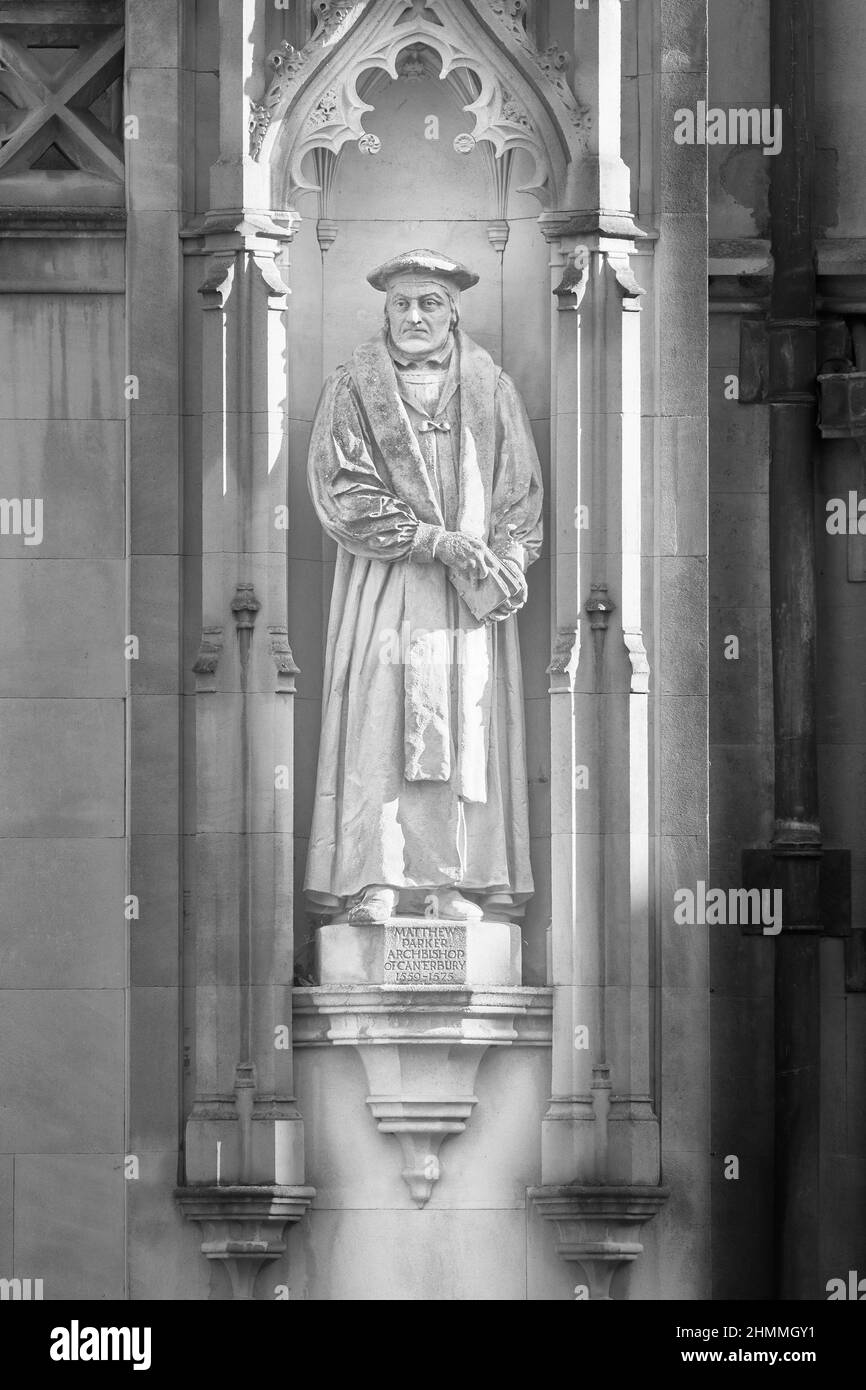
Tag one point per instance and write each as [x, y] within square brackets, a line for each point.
[61, 104]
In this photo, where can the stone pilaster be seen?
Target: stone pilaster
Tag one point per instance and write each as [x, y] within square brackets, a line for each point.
[601, 1133]
[244, 1135]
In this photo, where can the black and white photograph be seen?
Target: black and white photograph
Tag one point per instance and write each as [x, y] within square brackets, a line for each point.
[433, 694]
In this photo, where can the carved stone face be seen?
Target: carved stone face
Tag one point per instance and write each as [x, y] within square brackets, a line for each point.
[419, 316]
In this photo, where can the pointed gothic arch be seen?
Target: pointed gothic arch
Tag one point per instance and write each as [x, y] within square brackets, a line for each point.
[313, 102]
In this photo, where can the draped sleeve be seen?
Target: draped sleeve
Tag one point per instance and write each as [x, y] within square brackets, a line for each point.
[516, 522]
[354, 504]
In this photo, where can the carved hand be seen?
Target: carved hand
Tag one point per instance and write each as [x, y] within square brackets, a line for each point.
[467, 554]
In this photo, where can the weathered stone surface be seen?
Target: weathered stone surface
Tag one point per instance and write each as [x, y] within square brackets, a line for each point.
[422, 951]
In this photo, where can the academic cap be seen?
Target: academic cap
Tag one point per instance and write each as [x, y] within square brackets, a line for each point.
[427, 264]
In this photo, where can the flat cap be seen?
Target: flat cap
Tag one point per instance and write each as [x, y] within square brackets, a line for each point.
[423, 262]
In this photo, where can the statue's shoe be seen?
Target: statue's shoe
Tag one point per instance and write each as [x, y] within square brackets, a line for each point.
[375, 907]
[451, 906]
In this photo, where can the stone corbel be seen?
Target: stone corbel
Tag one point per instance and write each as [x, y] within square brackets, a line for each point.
[564, 660]
[287, 669]
[597, 1228]
[244, 1228]
[421, 1047]
[204, 668]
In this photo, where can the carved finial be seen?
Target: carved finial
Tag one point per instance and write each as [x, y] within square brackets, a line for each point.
[326, 234]
[498, 233]
[599, 607]
[245, 606]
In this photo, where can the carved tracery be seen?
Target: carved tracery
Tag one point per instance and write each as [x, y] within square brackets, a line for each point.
[316, 99]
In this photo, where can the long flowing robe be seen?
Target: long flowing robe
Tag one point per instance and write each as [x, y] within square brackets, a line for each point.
[422, 769]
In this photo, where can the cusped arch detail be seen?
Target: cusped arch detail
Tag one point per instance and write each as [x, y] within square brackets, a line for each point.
[313, 102]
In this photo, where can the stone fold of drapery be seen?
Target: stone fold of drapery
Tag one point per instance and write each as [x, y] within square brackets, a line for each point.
[374, 492]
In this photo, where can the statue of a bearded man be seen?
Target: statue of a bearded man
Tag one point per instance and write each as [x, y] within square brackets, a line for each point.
[423, 469]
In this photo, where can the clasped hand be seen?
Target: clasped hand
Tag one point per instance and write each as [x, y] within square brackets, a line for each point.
[466, 554]
[473, 559]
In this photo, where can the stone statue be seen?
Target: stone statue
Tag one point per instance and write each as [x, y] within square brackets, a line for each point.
[423, 469]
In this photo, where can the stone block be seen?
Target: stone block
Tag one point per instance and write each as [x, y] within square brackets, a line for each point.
[683, 609]
[61, 918]
[76, 608]
[682, 508]
[685, 1070]
[682, 272]
[152, 35]
[69, 1224]
[841, 661]
[536, 923]
[739, 438]
[61, 768]
[683, 765]
[742, 795]
[152, 165]
[426, 950]
[155, 484]
[739, 569]
[153, 253]
[154, 1065]
[549, 1278]
[676, 1260]
[68, 352]
[7, 1168]
[155, 584]
[683, 168]
[742, 1072]
[742, 1266]
[155, 880]
[77, 468]
[155, 764]
[52, 1102]
[409, 1256]
[533, 626]
[537, 716]
[207, 127]
[856, 1075]
[741, 692]
[165, 1259]
[684, 955]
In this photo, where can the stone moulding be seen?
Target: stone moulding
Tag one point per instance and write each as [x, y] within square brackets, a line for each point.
[315, 102]
[421, 1047]
[597, 1226]
[244, 1228]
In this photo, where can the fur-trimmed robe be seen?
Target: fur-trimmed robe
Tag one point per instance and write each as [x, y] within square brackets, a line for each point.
[422, 770]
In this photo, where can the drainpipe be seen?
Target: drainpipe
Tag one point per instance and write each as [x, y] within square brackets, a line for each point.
[796, 848]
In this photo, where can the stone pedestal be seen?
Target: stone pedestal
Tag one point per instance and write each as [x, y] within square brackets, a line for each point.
[419, 951]
[432, 996]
